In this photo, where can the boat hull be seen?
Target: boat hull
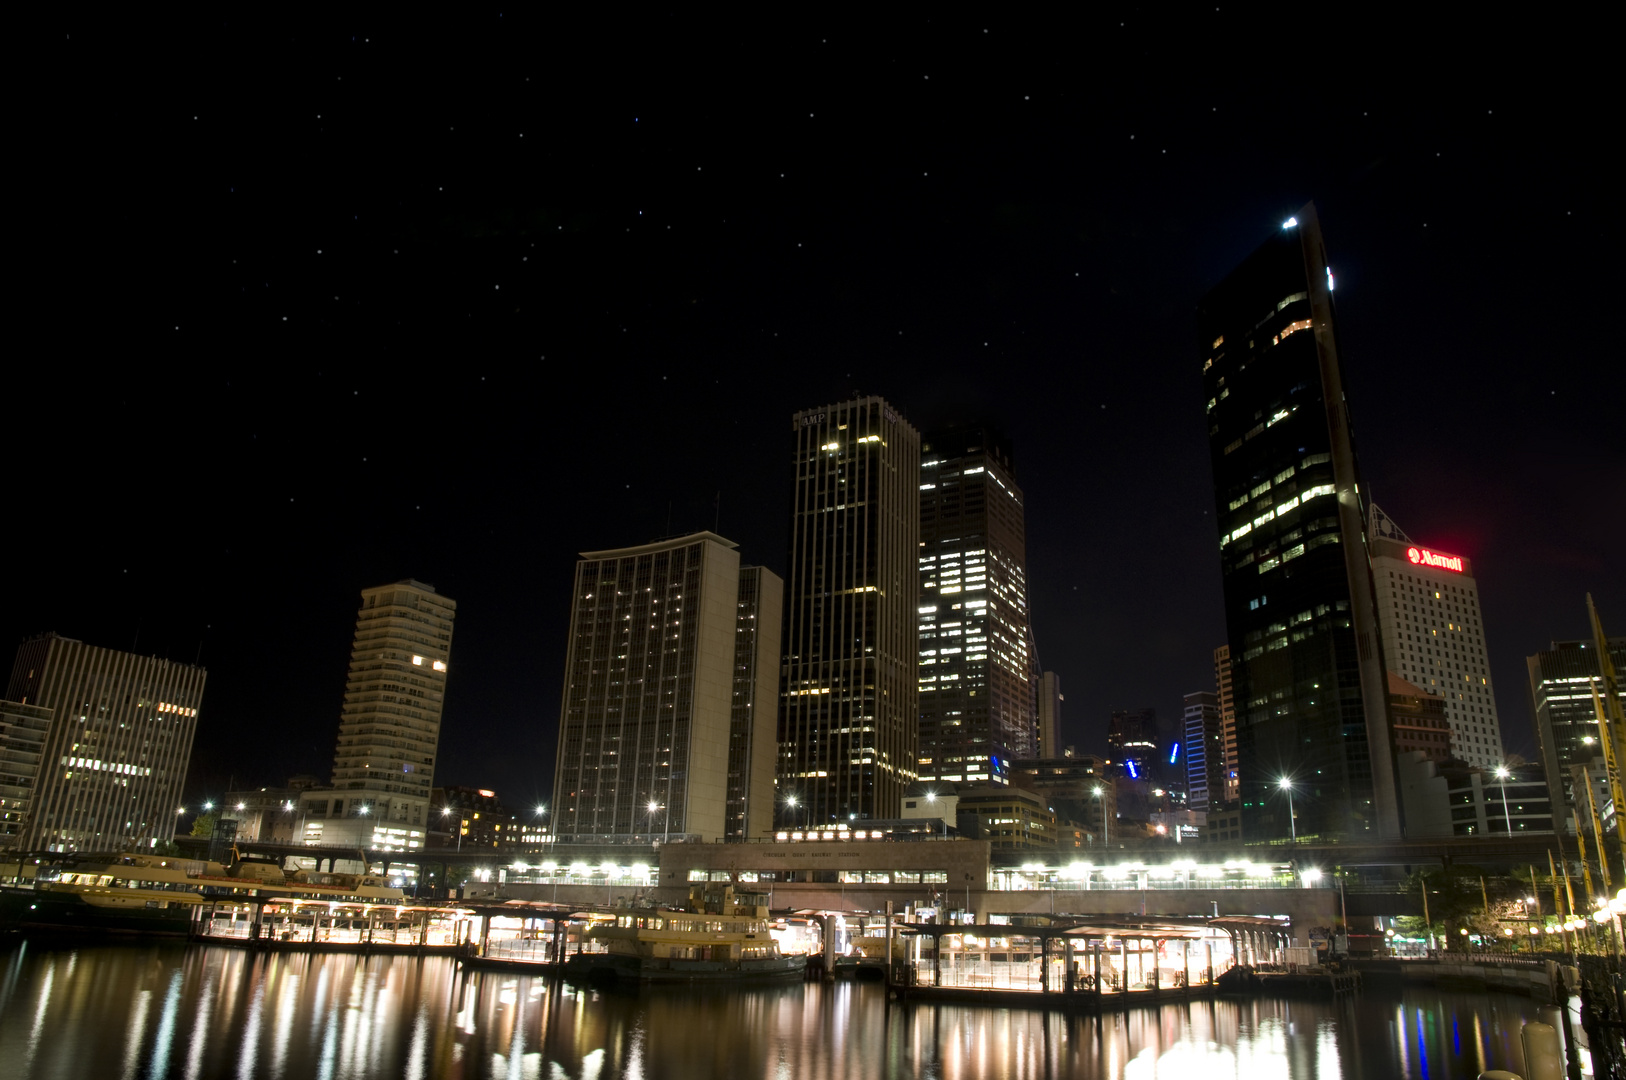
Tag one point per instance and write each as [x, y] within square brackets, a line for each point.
[605, 967]
[31, 911]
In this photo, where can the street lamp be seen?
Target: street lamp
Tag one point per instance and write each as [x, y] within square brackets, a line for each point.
[1286, 785]
[1502, 774]
[444, 811]
[1106, 829]
[655, 808]
[790, 801]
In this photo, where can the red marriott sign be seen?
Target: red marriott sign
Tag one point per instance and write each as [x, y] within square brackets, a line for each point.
[1425, 557]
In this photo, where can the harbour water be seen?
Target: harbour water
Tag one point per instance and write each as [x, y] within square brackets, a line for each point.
[189, 1012]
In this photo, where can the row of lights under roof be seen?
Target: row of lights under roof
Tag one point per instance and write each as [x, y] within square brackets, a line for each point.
[839, 834]
[1081, 869]
[581, 869]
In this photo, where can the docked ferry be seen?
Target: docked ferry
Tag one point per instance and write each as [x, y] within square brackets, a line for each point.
[120, 894]
[717, 939]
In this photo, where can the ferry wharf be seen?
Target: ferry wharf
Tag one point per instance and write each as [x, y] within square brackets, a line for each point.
[1096, 963]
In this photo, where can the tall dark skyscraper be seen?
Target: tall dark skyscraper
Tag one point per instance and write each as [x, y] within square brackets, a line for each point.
[1301, 612]
[668, 702]
[113, 756]
[978, 686]
[1132, 737]
[1204, 752]
[1563, 682]
[848, 720]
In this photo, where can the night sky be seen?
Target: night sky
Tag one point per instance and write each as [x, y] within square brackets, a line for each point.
[317, 305]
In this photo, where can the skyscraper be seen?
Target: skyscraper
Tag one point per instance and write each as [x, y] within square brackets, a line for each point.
[1562, 680]
[659, 681]
[1205, 752]
[1227, 721]
[23, 731]
[1301, 614]
[1050, 700]
[978, 692]
[1132, 737]
[1428, 607]
[848, 721]
[114, 757]
[389, 727]
[753, 726]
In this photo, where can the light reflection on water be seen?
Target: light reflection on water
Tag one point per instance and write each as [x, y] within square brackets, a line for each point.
[172, 1011]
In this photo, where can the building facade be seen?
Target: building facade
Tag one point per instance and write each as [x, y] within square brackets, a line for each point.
[753, 746]
[1420, 722]
[475, 819]
[1050, 700]
[1132, 741]
[647, 716]
[115, 755]
[978, 690]
[267, 815]
[389, 727]
[849, 720]
[1010, 818]
[1227, 719]
[23, 730]
[1562, 679]
[1308, 674]
[1081, 788]
[1433, 636]
[1453, 798]
[1204, 751]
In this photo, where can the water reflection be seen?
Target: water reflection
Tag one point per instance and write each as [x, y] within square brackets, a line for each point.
[162, 1011]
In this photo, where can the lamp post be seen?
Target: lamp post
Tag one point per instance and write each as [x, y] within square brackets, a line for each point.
[1106, 828]
[1293, 823]
[1286, 785]
[1502, 773]
[931, 797]
[655, 808]
[444, 811]
[790, 801]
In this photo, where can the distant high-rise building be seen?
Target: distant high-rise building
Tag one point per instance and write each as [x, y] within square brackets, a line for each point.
[977, 684]
[1079, 788]
[1227, 717]
[1561, 686]
[389, 728]
[1205, 751]
[849, 721]
[1132, 738]
[1050, 700]
[23, 730]
[1419, 723]
[1301, 614]
[1428, 607]
[114, 757]
[753, 748]
[475, 819]
[652, 677]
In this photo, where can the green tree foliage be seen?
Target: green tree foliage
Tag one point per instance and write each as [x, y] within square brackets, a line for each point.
[204, 826]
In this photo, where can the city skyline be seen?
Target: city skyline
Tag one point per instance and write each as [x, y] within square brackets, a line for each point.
[369, 296]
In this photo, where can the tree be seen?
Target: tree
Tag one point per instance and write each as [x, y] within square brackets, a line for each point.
[204, 826]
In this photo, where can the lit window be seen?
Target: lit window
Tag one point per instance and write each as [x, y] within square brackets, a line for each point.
[417, 661]
[440, 665]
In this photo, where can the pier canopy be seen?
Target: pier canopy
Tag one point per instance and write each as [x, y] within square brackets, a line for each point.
[1100, 953]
